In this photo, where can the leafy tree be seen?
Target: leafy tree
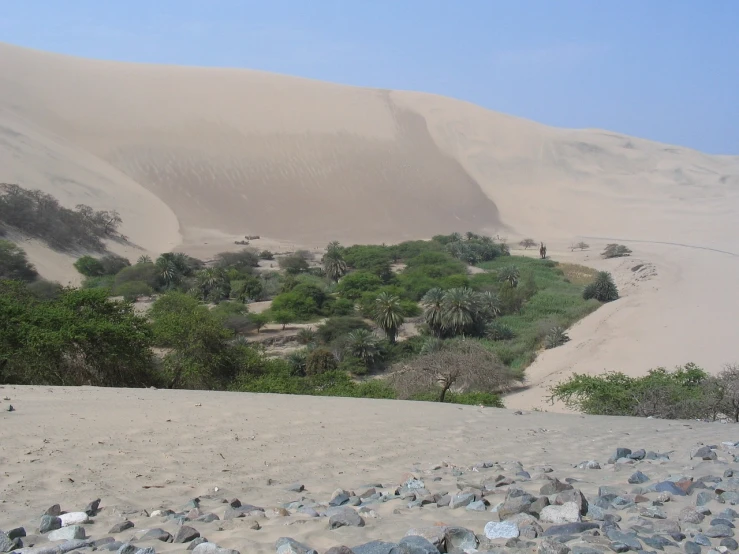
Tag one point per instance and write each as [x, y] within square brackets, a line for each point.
[45, 290]
[144, 259]
[602, 288]
[372, 258]
[140, 273]
[282, 317]
[249, 288]
[388, 314]
[509, 274]
[335, 327]
[245, 260]
[463, 364]
[14, 266]
[299, 302]
[266, 255]
[294, 264]
[319, 361]
[78, 338]
[258, 320]
[212, 284]
[353, 285]
[132, 290]
[113, 263]
[334, 264]
[363, 344]
[527, 243]
[89, 266]
[615, 251]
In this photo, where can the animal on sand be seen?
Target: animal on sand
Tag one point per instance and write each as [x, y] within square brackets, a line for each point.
[543, 251]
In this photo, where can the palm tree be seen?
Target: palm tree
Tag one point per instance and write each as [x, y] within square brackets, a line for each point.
[433, 303]
[509, 274]
[363, 344]
[167, 271]
[212, 284]
[489, 304]
[333, 261]
[460, 307]
[388, 314]
[143, 260]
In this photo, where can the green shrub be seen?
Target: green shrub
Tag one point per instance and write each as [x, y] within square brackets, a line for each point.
[557, 336]
[355, 284]
[106, 283]
[243, 261]
[45, 290]
[497, 330]
[306, 336]
[353, 365]
[266, 255]
[258, 320]
[293, 264]
[282, 317]
[615, 251]
[320, 360]
[335, 327]
[113, 263]
[132, 290]
[143, 272]
[602, 288]
[341, 307]
[14, 265]
[89, 266]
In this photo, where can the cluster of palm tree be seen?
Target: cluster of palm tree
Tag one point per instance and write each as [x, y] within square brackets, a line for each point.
[364, 345]
[459, 311]
[388, 314]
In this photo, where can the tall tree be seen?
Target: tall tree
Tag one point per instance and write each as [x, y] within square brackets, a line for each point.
[388, 314]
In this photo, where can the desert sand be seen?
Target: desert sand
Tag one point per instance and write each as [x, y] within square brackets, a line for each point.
[143, 450]
[196, 158]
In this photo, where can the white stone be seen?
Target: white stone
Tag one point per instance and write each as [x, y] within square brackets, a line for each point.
[74, 518]
[501, 530]
[69, 533]
[566, 513]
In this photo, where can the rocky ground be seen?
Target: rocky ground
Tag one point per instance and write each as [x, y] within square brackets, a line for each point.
[505, 507]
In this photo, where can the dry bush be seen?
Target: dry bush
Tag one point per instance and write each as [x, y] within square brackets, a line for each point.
[464, 365]
[728, 379]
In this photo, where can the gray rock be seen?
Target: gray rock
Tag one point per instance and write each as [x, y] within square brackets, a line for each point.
[147, 550]
[515, 505]
[570, 529]
[637, 454]
[417, 545]
[156, 534]
[729, 543]
[501, 530]
[690, 515]
[719, 531]
[55, 510]
[476, 506]
[585, 550]
[120, 527]
[6, 543]
[339, 500]
[638, 478]
[568, 512]
[728, 513]
[127, 548]
[704, 453]
[49, 523]
[69, 533]
[549, 546]
[212, 548]
[702, 539]
[377, 547]
[573, 495]
[92, 508]
[629, 540]
[208, 518]
[657, 542]
[554, 486]
[596, 513]
[538, 505]
[16, 533]
[186, 534]
[193, 543]
[461, 500]
[619, 454]
[722, 521]
[286, 545]
[459, 539]
[340, 550]
[669, 486]
[654, 512]
[691, 548]
[435, 535]
[296, 487]
[346, 518]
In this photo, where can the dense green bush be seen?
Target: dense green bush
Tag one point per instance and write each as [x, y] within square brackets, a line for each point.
[89, 266]
[557, 336]
[293, 264]
[371, 258]
[688, 392]
[113, 263]
[602, 288]
[133, 290]
[14, 265]
[355, 284]
[335, 327]
[320, 360]
[139, 273]
[497, 330]
[244, 260]
[615, 251]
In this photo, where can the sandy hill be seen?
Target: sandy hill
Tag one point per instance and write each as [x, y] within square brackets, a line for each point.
[196, 157]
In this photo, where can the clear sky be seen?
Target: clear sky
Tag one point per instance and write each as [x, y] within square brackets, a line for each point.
[667, 70]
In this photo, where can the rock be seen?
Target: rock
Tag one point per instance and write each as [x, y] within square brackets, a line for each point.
[690, 515]
[193, 543]
[71, 532]
[570, 529]
[208, 518]
[637, 454]
[585, 550]
[459, 539]
[654, 512]
[435, 535]
[156, 534]
[729, 543]
[286, 545]
[629, 540]
[461, 500]
[477, 506]
[74, 518]
[569, 512]
[537, 506]
[417, 545]
[554, 486]
[638, 478]
[212, 548]
[657, 542]
[596, 513]
[691, 548]
[339, 499]
[549, 546]
[120, 527]
[111, 546]
[49, 523]
[515, 505]
[340, 550]
[308, 511]
[345, 518]
[591, 464]
[6, 543]
[377, 547]
[501, 530]
[619, 454]
[55, 510]
[92, 508]
[722, 521]
[127, 548]
[704, 453]
[186, 534]
[719, 531]
[669, 486]
[573, 495]
[16, 533]
[702, 540]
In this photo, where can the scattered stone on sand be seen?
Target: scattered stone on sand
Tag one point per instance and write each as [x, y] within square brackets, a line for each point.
[501, 530]
[68, 533]
[120, 527]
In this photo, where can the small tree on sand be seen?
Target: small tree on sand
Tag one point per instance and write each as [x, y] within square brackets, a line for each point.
[283, 317]
[615, 251]
[464, 364]
[527, 243]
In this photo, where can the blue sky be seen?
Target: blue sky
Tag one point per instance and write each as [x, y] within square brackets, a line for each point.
[666, 70]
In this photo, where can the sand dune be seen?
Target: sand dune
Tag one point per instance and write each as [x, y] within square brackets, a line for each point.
[193, 158]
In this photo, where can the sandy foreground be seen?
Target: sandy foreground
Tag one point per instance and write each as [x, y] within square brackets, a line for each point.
[142, 450]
